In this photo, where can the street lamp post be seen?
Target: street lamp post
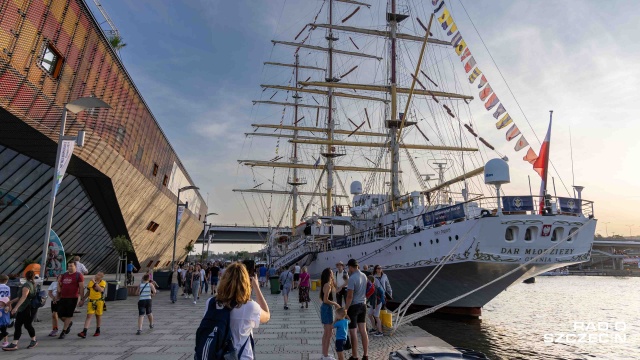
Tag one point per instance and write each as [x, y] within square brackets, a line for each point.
[75, 107]
[175, 234]
[204, 230]
[606, 228]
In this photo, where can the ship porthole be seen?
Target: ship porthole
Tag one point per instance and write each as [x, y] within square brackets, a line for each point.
[420, 243]
[414, 245]
[437, 241]
[400, 247]
[431, 241]
[456, 237]
[449, 238]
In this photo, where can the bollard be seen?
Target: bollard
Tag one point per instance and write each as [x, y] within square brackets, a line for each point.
[386, 318]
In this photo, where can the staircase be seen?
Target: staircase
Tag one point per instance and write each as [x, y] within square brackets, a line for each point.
[294, 256]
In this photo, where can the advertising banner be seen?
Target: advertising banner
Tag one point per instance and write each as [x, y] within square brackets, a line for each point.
[56, 261]
[517, 203]
[444, 214]
[66, 151]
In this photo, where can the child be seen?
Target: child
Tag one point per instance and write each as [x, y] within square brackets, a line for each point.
[341, 324]
[5, 318]
[375, 302]
[145, 290]
[53, 295]
[5, 291]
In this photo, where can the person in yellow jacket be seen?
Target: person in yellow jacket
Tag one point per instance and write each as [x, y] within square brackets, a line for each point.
[95, 305]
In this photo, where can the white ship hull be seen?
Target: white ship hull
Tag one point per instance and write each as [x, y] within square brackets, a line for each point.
[482, 255]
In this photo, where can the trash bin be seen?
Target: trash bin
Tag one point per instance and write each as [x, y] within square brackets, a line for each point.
[274, 283]
[121, 293]
[162, 279]
[112, 291]
[313, 285]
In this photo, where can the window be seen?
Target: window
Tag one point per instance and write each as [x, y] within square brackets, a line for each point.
[573, 234]
[155, 169]
[531, 233]
[157, 263]
[153, 226]
[557, 234]
[51, 60]
[150, 263]
[165, 181]
[510, 234]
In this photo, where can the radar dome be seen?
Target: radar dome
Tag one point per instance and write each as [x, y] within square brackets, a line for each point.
[496, 172]
[356, 188]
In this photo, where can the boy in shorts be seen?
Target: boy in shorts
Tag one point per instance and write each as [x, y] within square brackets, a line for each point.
[341, 324]
[53, 295]
[95, 306]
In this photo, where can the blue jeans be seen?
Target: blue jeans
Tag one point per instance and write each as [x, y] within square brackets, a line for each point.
[195, 288]
[174, 292]
[205, 286]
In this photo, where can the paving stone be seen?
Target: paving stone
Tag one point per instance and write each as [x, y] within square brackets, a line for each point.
[147, 349]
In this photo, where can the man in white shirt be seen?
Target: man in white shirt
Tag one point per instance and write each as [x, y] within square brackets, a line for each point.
[342, 278]
[79, 266]
[296, 276]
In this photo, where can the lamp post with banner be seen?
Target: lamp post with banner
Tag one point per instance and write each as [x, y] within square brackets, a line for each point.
[205, 230]
[178, 217]
[63, 157]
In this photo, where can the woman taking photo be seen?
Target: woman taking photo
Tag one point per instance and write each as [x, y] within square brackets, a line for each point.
[303, 291]
[327, 287]
[234, 292]
[24, 313]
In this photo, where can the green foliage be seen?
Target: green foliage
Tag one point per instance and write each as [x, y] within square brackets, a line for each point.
[116, 42]
[189, 248]
[122, 244]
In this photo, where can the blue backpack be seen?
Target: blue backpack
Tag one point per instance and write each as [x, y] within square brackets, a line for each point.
[213, 337]
[39, 298]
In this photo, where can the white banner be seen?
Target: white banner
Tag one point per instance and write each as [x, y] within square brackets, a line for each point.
[180, 211]
[210, 237]
[66, 151]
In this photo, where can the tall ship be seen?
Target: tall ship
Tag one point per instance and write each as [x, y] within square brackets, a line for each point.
[389, 99]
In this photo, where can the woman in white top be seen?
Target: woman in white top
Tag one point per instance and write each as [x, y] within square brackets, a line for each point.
[234, 291]
[382, 281]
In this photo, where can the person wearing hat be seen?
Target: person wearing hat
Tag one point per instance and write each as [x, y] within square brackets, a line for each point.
[342, 278]
[357, 309]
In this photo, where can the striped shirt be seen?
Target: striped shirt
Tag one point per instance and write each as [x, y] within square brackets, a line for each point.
[145, 291]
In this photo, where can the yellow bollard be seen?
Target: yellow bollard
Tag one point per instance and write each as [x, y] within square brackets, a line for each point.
[313, 285]
[386, 318]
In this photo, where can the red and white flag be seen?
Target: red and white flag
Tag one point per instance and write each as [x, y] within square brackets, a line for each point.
[541, 165]
[512, 133]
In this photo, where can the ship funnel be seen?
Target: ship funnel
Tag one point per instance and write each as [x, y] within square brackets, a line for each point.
[496, 172]
[356, 188]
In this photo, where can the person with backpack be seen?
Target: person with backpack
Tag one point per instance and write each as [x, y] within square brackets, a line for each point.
[70, 288]
[383, 281]
[145, 291]
[376, 300]
[226, 330]
[95, 294]
[23, 310]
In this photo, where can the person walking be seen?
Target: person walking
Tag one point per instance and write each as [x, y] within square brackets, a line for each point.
[234, 292]
[95, 294]
[376, 301]
[303, 291]
[263, 275]
[145, 291]
[342, 277]
[204, 280]
[196, 276]
[174, 283]
[327, 287]
[286, 282]
[215, 272]
[70, 288]
[296, 276]
[5, 319]
[383, 281]
[24, 313]
[188, 280]
[357, 309]
[53, 295]
[130, 270]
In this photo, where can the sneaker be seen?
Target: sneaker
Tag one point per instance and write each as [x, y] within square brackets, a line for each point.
[378, 334]
[150, 326]
[97, 333]
[365, 357]
[10, 347]
[353, 358]
[139, 332]
[62, 334]
[82, 334]
[194, 302]
[32, 344]
[302, 306]
[371, 331]
[69, 328]
[54, 332]
[5, 344]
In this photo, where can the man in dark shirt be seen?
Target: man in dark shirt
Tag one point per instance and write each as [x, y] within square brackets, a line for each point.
[213, 277]
[70, 288]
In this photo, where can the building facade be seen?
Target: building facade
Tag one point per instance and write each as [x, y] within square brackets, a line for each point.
[123, 181]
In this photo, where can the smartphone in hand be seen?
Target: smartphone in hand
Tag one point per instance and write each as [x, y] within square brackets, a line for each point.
[251, 267]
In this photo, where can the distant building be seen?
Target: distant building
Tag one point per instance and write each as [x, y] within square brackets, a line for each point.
[124, 180]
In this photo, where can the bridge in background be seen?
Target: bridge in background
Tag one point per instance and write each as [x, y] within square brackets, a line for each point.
[236, 234]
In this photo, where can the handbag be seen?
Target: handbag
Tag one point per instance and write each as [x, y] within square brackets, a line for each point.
[347, 344]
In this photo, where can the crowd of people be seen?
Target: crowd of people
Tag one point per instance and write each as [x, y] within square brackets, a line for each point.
[348, 298]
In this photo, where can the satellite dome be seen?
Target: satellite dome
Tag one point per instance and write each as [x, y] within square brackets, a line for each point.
[496, 172]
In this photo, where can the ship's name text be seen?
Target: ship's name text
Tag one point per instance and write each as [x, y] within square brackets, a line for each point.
[516, 251]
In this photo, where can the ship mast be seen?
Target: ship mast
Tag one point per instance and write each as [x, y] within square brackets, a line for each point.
[295, 181]
[330, 124]
[392, 20]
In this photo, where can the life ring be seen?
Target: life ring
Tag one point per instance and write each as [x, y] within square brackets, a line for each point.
[484, 213]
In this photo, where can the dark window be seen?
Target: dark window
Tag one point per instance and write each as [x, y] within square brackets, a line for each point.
[150, 263]
[120, 133]
[153, 226]
[165, 181]
[51, 60]
[155, 169]
[157, 262]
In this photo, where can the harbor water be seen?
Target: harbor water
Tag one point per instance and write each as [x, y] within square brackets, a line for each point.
[557, 317]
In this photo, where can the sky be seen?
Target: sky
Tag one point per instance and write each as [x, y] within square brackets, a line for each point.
[198, 64]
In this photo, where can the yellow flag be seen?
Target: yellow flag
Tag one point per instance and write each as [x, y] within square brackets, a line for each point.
[504, 121]
[445, 15]
[453, 29]
[460, 48]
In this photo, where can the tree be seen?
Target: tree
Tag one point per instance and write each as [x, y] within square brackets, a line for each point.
[116, 42]
[189, 248]
[122, 246]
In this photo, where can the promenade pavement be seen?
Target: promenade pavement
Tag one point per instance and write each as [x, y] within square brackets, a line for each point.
[291, 334]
